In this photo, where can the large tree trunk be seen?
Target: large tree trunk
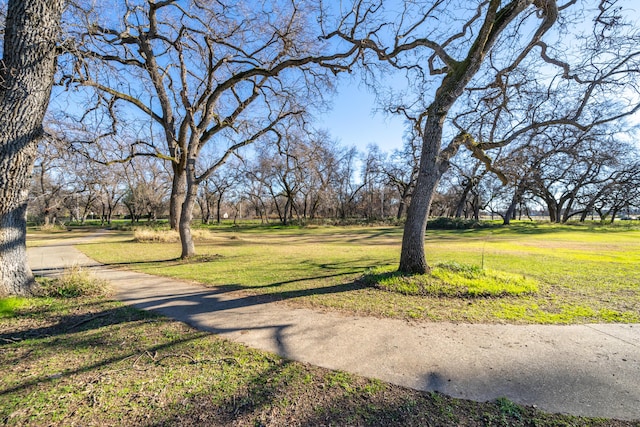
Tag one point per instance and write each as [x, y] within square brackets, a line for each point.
[176, 199]
[219, 207]
[404, 197]
[567, 210]
[287, 211]
[400, 209]
[510, 213]
[26, 74]
[15, 275]
[186, 214]
[553, 211]
[412, 256]
[186, 239]
[613, 212]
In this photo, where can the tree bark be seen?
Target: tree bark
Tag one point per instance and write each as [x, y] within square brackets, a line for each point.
[553, 209]
[178, 187]
[400, 209]
[412, 257]
[613, 213]
[219, 207]
[463, 198]
[186, 214]
[26, 78]
[186, 239]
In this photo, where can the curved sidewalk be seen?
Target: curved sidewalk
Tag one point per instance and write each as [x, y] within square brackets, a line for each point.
[590, 370]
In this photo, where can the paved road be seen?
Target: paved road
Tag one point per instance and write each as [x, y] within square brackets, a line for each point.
[590, 370]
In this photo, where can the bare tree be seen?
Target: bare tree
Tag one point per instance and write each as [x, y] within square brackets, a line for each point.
[401, 170]
[618, 190]
[85, 188]
[256, 194]
[443, 45]
[318, 173]
[49, 182]
[147, 189]
[376, 192]
[347, 189]
[518, 167]
[31, 31]
[111, 187]
[214, 190]
[575, 165]
[204, 76]
[286, 167]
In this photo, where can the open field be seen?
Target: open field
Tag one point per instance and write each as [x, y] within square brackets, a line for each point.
[91, 361]
[583, 274]
[86, 360]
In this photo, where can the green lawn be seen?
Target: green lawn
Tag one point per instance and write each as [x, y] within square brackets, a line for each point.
[86, 360]
[583, 274]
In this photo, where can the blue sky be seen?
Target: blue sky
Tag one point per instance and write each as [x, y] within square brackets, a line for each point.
[354, 122]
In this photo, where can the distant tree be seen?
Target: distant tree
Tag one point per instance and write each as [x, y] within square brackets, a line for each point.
[49, 183]
[288, 161]
[305, 175]
[519, 167]
[615, 190]
[470, 174]
[256, 183]
[401, 171]
[375, 195]
[347, 188]
[31, 31]
[84, 188]
[576, 162]
[147, 189]
[289, 171]
[214, 189]
[319, 174]
[111, 187]
[272, 175]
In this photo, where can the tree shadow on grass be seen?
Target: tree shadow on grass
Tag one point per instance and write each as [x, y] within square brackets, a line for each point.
[76, 333]
[87, 336]
[147, 383]
[290, 393]
[166, 262]
[355, 267]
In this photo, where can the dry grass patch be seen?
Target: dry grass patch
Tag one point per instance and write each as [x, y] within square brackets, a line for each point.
[151, 235]
[74, 282]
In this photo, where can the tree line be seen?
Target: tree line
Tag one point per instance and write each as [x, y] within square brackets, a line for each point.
[310, 177]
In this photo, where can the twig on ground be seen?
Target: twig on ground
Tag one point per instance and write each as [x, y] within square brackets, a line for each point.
[82, 322]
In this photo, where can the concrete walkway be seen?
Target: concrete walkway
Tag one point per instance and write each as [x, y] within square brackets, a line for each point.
[590, 370]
